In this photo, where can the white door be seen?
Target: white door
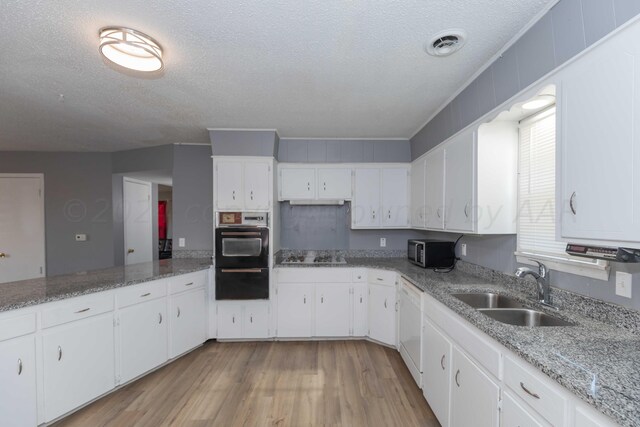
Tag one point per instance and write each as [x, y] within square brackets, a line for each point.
[79, 363]
[366, 199]
[436, 371]
[228, 182]
[138, 240]
[22, 253]
[514, 414]
[459, 182]
[256, 320]
[418, 193]
[334, 184]
[257, 186]
[395, 197]
[18, 378]
[434, 190]
[295, 313]
[229, 320]
[297, 183]
[332, 310]
[143, 338]
[382, 313]
[474, 396]
[187, 321]
[360, 310]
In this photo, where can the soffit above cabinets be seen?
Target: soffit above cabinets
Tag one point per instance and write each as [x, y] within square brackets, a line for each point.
[329, 69]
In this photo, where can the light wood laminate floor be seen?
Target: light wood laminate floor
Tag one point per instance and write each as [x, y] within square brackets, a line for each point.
[313, 383]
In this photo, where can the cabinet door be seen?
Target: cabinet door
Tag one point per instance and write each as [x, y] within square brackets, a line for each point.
[334, 184]
[143, 338]
[382, 313]
[294, 310]
[360, 310]
[228, 182]
[395, 202]
[418, 193]
[436, 371]
[187, 321]
[79, 363]
[18, 378]
[366, 199]
[600, 135]
[434, 190]
[332, 310]
[257, 186]
[474, 396]
[297, 184]
[515, 415]
[459, 187]
[256, 320]
[229, 320]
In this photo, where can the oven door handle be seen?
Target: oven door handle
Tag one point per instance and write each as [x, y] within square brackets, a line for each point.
[242, 270]
[240, 233]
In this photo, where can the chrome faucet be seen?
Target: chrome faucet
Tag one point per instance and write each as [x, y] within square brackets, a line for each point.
[542, 279]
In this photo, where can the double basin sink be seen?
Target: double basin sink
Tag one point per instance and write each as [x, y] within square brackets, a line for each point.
[509, 310]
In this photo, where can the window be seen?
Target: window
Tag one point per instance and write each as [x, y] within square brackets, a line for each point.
[536, 226]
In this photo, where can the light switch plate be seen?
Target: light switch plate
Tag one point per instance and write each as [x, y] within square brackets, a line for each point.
[181, 242]
[81, 237]
[383, 242]
[623, 284]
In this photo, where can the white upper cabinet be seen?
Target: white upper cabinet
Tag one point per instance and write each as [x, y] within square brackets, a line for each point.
[334, 184]
[381, 198]
[395, 197]
[366, 201]
[434, 189]
[297, 183]
[600, 160]
[307, 183]
[459, 166]
[418, 208]
[242, 183]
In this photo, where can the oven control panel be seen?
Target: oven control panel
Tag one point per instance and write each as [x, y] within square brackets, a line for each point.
[240, 219]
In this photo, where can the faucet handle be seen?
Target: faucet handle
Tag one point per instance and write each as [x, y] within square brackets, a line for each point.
[542, 269]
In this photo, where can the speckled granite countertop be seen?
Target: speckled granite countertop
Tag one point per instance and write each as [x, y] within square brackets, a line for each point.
[598, 361]
[25, 293]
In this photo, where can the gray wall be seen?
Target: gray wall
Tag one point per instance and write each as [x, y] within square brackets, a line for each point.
[158, 158]
[77, 191]
[567, 29]
[225, 142]
[193, 197]
[343, 150]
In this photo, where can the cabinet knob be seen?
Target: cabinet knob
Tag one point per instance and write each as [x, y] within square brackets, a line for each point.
[19, 366]
[130, 251]
[3, 255]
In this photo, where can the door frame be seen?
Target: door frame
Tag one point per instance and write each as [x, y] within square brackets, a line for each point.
[40, 177]
[126, 179]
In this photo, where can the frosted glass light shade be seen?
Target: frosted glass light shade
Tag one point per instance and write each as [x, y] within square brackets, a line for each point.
[131, 49]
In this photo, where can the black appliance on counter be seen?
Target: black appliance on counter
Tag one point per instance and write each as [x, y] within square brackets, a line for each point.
[431, 253]
[242, 256]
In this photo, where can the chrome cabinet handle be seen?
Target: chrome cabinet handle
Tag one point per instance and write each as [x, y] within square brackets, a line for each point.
[178, 311]
[82, 311]
[321, 300]
[438, 213]
[305, 299]
[324, 185]
[59, 353]
[19, 366]
[145, 295]
[159, 318]
[396, 305]
[380, 279]
[571, 200]
[308, 186]
[457, 373]
[250, 319]
[233, 319]
[373, 214]
[534, 395]
[360, 299]
[389, 214]
[442, 362]
[233, 194]
[385, 303]
[188, 284]
[466, 208]
[251, 195]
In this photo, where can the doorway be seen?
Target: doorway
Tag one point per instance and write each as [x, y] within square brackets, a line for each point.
[165, 221]
[138, 232]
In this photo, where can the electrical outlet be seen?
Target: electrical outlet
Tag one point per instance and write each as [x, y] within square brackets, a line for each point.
[623, 284]
[181, 242]
[383, 242]
[463, 249]
[81, 237]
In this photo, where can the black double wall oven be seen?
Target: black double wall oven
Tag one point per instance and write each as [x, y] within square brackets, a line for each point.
[242, 256]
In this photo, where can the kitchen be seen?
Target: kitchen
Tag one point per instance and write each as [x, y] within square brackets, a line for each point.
[374, 245]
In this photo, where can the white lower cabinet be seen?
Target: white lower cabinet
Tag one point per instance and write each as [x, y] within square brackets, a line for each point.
[474, 395]
[382, 313]
[332, 310]
[18, 382]
[79, 363]
[514, 414]
[295, 314]
[360, 310]
[436, 371]
[187, 321]
[229, 320]
[143, 338]
[243, 320]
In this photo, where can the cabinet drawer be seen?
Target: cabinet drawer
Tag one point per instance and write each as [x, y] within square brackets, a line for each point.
[141, 293]
[549, 403]
[382, 277]
[16, 326]
[314, 275]
[359, 275]
[76, 309]
[186, 282]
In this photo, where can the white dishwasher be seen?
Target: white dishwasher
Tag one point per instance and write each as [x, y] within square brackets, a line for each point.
[411, 329]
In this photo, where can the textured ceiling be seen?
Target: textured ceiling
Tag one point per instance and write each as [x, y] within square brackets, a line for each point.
[331, 68]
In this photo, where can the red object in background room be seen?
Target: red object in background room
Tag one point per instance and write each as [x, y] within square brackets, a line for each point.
[162, 220]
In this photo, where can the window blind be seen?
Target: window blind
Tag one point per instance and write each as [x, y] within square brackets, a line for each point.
[536, 185]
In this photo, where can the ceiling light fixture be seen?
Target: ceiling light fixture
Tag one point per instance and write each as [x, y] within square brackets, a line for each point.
[131, 49]
[446, 42]
[538, 102]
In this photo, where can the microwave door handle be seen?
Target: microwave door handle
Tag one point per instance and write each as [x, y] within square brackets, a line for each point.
[242, 270]
[240, 233]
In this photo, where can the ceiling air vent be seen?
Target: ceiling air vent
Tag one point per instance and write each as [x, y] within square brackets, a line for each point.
[446, 42]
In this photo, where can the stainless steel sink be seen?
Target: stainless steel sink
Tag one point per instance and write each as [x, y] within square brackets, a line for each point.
[488, 300]
[524, 317]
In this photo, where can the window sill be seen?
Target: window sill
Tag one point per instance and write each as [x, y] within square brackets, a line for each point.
[595, 269]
